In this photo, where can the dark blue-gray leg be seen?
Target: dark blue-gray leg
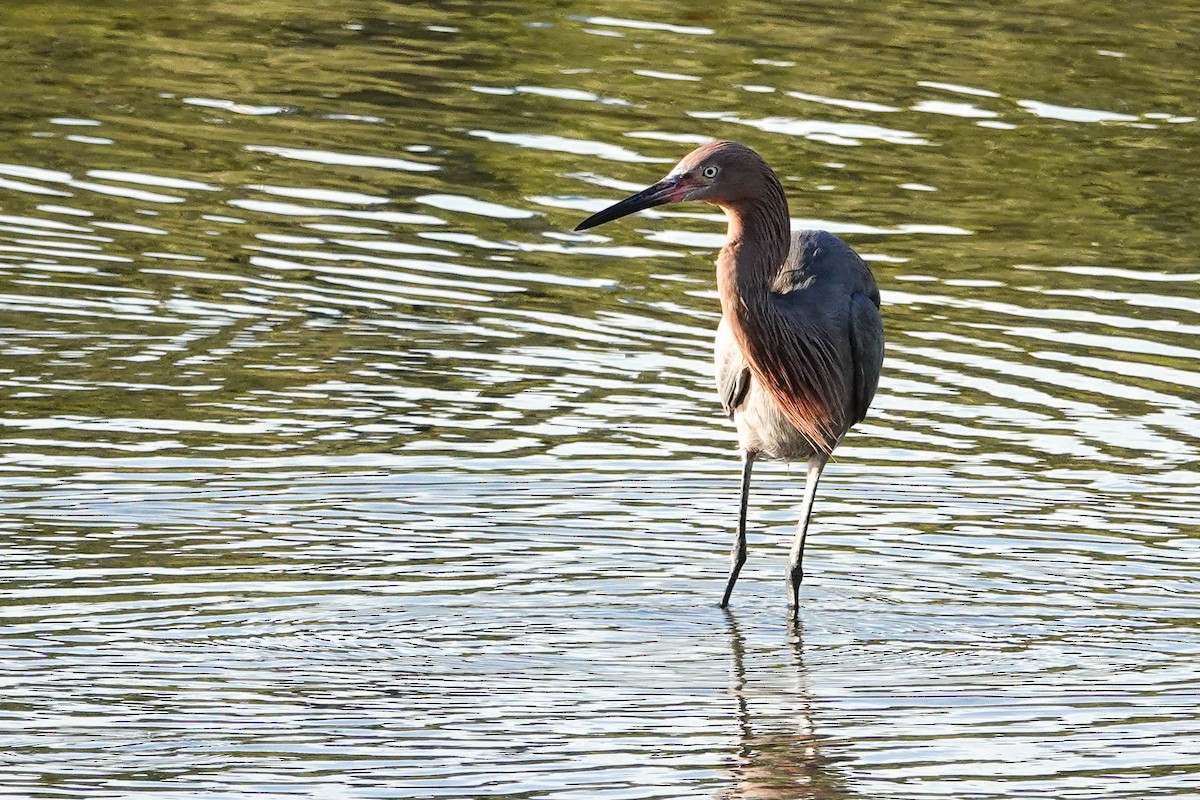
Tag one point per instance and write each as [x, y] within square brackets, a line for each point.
[795, 570]
[737, 557]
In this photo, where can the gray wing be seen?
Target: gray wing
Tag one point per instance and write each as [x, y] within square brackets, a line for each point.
[832, 288]
[733, 373]
[866, 348]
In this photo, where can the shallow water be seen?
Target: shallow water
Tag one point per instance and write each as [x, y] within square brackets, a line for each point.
[334, 465]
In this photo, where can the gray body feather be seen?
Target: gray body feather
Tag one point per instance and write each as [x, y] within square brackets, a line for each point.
[828, 293]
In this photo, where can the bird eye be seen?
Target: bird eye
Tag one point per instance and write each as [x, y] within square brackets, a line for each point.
[709, 172]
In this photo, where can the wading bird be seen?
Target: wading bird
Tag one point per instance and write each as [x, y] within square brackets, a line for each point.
[800, 343]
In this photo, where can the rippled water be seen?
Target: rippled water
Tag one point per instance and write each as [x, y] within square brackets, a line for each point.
[334, 465]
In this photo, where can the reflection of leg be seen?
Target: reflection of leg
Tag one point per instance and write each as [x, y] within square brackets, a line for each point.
[778, 754]
[795, 570]
[745, 751]
[737, 557]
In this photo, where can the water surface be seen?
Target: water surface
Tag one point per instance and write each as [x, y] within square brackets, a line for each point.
[335, 465]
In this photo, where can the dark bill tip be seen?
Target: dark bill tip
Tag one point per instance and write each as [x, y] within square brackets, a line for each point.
[665, 191]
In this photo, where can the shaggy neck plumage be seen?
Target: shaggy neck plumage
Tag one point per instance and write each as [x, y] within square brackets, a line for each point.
[759, 239]
[756, 245]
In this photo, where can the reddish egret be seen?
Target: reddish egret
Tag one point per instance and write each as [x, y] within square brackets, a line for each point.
[800, 343]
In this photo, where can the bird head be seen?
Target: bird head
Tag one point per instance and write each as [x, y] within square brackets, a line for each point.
[720, 173]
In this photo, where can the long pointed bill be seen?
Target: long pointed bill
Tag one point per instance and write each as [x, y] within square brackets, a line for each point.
[667, 190]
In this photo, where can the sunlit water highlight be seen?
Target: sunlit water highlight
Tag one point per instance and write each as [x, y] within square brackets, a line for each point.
[335, 465]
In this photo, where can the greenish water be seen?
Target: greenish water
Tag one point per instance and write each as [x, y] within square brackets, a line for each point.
[333, 465]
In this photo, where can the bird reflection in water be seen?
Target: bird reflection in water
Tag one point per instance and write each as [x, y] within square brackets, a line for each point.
[780, 756]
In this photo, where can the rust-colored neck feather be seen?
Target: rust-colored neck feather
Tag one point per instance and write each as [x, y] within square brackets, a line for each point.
[795, 368]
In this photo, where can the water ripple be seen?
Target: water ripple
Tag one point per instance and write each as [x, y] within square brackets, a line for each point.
[335, 464]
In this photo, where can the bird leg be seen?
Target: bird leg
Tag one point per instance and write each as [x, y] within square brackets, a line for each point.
[795, 571]
[737, 556]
